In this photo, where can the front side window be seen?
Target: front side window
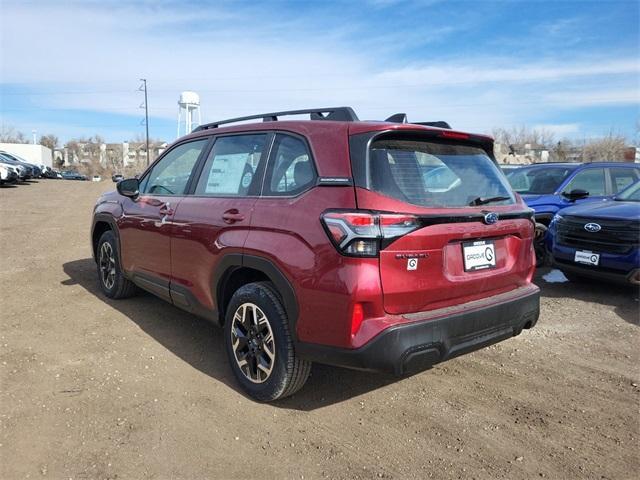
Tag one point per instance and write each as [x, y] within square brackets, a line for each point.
[171, 174]
[590, 180]
[538, 180]
[291, 171]
[434, 174]
[232, 166]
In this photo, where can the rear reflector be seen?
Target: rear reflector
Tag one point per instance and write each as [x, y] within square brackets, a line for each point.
[356, 318]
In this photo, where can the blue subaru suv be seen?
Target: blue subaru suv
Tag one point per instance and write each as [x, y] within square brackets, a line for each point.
[599, 239]
[550, 187]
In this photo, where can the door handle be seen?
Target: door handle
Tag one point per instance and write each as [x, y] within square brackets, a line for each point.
[166, 209]
[232, 216]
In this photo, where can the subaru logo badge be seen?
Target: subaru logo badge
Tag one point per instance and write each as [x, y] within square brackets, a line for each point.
[592, 227]
[491, 218]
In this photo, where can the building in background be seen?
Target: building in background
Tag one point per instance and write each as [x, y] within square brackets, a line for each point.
[36, 154]
[110, 156]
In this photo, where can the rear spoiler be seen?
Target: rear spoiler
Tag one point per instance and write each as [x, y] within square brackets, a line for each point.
[402, 118]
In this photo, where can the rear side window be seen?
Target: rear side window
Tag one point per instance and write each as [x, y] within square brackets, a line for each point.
[291, 169]
[232, 166]
[434, 174]
[621, 178]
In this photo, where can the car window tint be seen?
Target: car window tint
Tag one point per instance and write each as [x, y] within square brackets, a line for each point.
[591, 180]
[435, 174]
[291, 171]
[230, 169]
[171, 174]
[621, 178]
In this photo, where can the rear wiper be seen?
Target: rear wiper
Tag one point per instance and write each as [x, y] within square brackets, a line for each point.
[484, 201]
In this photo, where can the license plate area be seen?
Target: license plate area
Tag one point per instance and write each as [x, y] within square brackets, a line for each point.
[587, 257]
[479, 255]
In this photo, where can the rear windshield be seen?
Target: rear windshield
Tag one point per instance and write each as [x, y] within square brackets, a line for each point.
[538, 180]
[436, 174]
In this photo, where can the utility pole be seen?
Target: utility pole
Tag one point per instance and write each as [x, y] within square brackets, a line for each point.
[143, 88]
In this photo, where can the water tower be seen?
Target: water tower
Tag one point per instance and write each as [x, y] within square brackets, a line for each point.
[188, 112]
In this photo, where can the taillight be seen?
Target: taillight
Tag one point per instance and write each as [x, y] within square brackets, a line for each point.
[363, 234]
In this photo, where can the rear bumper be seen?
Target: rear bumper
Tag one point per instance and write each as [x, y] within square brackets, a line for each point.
[418, 345]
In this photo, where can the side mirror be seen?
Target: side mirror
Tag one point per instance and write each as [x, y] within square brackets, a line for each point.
[129, 187]
[576, 194]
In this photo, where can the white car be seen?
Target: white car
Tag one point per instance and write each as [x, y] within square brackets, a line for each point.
[96, 178]
[20, 170]
[8, 174]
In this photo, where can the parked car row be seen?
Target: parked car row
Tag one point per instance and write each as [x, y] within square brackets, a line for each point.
[587, 217]
[14, 169]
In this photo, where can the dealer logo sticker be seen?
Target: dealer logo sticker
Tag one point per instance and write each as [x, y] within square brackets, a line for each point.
[412, 264]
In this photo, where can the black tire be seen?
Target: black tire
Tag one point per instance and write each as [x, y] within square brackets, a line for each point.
[288, 373]
[114, 285]
[539, 245]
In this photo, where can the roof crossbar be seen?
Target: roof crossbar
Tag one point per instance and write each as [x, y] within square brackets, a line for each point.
[340, 114]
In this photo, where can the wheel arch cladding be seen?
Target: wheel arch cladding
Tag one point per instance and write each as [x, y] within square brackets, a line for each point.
[236, 270]
[100, 226]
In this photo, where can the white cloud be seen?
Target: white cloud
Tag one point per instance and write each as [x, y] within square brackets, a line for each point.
[89, 56]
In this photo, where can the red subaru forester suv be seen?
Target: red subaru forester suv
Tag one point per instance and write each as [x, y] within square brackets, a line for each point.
[382, 246]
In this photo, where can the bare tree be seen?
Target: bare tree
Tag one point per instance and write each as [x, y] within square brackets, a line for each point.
[560, 152]
[49, 141]
[518, 137]
[608, 149]
[9, 134]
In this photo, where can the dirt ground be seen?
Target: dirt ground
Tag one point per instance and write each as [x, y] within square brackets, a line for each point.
[97, 389]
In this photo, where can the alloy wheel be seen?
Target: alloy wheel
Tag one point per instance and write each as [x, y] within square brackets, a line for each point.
[107, 266]
[253, 343]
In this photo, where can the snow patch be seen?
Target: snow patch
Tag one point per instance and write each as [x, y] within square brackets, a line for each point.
[555, 276]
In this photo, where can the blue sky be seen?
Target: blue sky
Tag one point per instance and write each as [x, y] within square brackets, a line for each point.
[72, 68]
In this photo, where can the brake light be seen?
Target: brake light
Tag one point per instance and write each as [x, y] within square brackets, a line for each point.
[363, 234]
[458, 135]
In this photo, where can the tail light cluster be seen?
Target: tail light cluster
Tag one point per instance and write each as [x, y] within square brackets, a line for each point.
[363, 234]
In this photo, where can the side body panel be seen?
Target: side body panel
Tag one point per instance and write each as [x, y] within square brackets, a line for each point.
[145, 235]
[287, 232]
[201, 238]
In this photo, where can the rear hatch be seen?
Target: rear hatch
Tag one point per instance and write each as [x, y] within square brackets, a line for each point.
[462, 234]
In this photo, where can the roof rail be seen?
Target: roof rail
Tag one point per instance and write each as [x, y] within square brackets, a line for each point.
[340, 114]
[402, 118]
